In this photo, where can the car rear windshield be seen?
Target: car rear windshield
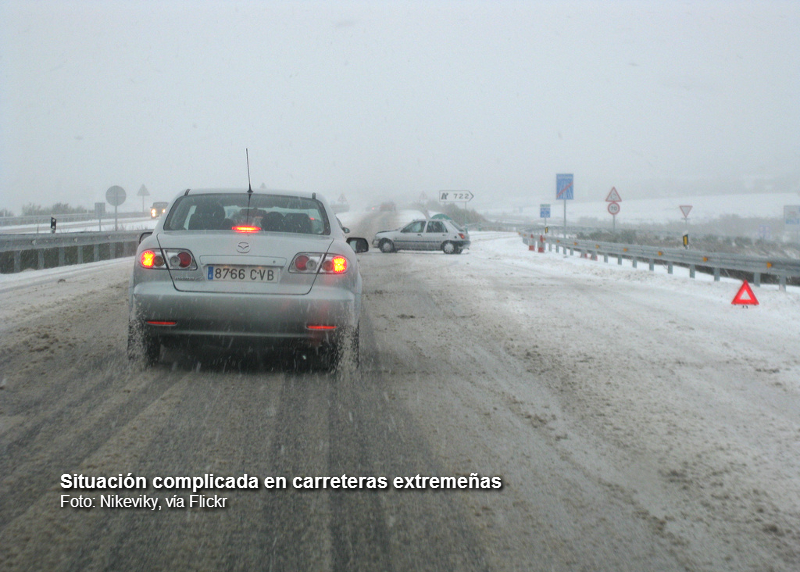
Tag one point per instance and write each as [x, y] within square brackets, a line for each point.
[270, 213]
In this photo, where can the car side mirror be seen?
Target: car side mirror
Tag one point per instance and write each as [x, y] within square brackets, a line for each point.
[144, 235]
[358, 244]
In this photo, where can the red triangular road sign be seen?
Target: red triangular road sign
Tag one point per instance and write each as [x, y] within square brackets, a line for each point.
[613, 196]
[745, 296]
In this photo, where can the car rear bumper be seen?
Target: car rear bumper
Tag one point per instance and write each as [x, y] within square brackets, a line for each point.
[270, 317]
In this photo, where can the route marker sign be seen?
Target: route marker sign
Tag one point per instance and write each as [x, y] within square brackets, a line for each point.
[745, 296]
[613, 196]
[544, 211]
[685, 209]
[455, 196]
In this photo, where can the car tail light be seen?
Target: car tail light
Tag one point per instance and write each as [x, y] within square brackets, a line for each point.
[180, 259]
[151, 259]
[160, 323]
[320, 327]
[306, 263]
[243, 228]
[313, 262]
[334, 264]
[461, 234]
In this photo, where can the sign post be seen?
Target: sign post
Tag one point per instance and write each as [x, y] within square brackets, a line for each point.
[613, 209]
[564, 191]
[99, 211]
[685, 209]
[143, 192]
[613, 199]
[115, 196]
[791, 218]
[544, 212]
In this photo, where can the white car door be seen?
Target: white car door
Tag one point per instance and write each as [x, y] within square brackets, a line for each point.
[410, 237]
[435, 235]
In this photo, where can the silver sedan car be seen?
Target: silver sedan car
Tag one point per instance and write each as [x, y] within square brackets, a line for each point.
[434, 234]
[260, 268]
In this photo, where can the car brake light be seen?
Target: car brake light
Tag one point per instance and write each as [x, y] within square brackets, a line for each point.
[301, 262]
[185, 259]
[150, 259]
[160, 323]
[320, 327]
[461, 234]
[243, 228]
[334, 264]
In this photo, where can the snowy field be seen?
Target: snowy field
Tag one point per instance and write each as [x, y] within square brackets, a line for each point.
[660, 210]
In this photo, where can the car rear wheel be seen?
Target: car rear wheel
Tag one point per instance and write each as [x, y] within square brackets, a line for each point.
[386, 246]
[141, 345]
[449, 248]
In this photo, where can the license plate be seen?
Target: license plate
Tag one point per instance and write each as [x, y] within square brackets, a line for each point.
[243, 273]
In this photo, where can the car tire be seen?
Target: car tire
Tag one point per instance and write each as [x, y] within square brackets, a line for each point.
[141, 345]
[459, 249]
[449, 248]
[386, 246]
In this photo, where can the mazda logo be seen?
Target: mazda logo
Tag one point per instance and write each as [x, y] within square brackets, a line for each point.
[243, 247]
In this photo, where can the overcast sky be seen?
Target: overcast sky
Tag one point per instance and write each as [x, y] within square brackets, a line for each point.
[385, 98]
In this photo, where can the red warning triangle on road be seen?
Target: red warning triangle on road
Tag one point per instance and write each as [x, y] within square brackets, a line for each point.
[745, 296]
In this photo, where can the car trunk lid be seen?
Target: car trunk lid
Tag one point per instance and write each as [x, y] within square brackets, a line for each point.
[243, 263]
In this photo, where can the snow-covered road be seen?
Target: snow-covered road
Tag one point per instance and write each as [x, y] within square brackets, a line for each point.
[638, 420]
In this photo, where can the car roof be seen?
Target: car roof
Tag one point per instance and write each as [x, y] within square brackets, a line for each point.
[228, 191]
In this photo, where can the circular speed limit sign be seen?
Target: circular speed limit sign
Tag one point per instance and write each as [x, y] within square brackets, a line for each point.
[613, 208]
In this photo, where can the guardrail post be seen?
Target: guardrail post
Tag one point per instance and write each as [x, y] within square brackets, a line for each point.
[112, 250]
[96, 252]
[691, 271]
[80, 255]
[605, 258]
[61, 256]
[571, 251]
[40, 252]
[716, 275]
[757, 279]
[17, 261]
[652, 265]
[634, 262]
[782, 282]
[669, 268]
[619, 259]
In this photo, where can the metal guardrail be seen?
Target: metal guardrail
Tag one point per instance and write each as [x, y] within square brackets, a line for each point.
[43, 251]
[64, 218]
[782, 268]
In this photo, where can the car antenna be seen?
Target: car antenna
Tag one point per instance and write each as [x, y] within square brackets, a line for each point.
[249, 186]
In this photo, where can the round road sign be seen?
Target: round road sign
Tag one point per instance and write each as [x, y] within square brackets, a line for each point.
[115, 196]
[613, 208]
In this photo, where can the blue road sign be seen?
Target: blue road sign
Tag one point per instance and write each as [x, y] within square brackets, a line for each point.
[544, 211]
[564, 187]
